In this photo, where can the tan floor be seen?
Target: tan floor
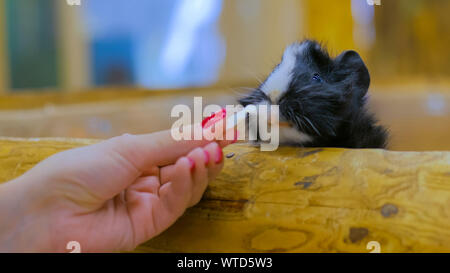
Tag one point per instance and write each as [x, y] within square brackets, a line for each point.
[418, 118]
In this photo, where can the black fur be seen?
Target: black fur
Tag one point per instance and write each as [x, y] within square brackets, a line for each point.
[326, 99]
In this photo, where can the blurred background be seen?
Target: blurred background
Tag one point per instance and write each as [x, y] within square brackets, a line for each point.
[106, 67]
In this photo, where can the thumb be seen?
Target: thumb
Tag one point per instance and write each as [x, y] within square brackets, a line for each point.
[156, 149]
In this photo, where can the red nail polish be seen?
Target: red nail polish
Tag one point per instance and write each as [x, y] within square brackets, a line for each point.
[206, 156]
[191, 163]
[209, 121]
[219, 155]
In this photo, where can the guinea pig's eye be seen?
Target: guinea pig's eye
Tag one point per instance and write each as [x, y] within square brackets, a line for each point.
[317, 78]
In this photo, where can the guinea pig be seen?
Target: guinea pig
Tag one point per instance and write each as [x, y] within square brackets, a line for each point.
[322, 100]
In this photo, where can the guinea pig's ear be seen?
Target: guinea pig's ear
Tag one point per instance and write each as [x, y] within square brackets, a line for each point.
[351, 67]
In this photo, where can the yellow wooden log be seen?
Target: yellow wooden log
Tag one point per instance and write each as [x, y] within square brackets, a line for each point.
[299, 200]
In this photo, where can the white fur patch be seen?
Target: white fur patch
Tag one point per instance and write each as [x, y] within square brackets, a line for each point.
[278, 81]
[291, 135]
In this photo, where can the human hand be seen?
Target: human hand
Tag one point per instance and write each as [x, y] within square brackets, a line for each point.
[110, 196]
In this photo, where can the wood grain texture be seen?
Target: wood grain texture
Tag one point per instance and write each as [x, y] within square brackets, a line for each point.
[298, 200]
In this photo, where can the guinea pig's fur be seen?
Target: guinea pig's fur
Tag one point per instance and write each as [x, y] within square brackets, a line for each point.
[323, 99]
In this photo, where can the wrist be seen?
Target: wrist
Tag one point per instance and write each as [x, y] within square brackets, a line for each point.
[8, 215]
[17, 230]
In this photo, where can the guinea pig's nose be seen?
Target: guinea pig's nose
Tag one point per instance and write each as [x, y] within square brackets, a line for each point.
[282, 124]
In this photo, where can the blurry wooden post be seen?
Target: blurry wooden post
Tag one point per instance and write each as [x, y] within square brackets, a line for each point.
[272, 25]
[298, 200]
[73, 47]
[337, 32]
[4, 83]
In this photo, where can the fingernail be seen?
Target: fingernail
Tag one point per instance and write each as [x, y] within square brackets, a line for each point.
[209, 121]
[206, 156]
[219, 154]
[191, 164]
[236, 134]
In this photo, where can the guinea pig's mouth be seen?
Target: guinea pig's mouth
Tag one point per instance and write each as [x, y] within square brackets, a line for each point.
[281, 124]
[284, 124]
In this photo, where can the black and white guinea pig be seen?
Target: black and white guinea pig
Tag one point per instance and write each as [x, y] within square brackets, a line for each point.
[321, 99]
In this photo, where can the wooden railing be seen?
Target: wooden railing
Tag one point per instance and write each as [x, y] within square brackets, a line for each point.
[298, 200]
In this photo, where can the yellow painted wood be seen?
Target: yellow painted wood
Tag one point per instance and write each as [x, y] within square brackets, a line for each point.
[31, 100]
[299, 200]
[17, 155]
[331, 23]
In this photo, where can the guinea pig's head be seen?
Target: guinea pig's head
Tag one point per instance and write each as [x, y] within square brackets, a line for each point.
[315, 92]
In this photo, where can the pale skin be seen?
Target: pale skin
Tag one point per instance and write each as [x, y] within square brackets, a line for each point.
[109, 196]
